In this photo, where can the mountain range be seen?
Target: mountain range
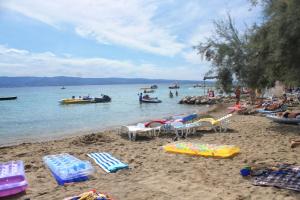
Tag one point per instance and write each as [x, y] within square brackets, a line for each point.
[67, 81]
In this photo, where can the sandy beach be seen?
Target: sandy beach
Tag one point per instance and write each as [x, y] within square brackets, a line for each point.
[155, 174]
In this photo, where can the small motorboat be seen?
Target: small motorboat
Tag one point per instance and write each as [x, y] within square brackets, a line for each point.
[153, 86]
[148, 91]
[86, 100]
[174, 86]
[74, 101]
[102, 99]
[7, 98]
[198, 85]
[150, 100]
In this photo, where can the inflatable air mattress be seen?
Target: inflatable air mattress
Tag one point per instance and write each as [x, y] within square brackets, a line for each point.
[207, 150]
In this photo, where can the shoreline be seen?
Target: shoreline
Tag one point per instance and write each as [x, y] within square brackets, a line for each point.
[71, 134]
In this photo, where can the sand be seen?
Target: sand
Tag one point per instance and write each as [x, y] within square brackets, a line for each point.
[155, 174]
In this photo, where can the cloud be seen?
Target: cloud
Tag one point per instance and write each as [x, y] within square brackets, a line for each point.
[121, 22]
[18, 62]
[166, 28]
[153, 26]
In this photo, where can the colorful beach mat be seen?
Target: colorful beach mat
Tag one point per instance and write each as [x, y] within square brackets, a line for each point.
[282, 176]
[107, 162]
[208, 150]
[90, 195]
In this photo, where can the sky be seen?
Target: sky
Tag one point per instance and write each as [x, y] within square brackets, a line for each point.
[105, 38]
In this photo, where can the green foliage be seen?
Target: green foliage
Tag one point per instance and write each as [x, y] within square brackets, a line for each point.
[262, 54]
[279, 39]
[230, 54]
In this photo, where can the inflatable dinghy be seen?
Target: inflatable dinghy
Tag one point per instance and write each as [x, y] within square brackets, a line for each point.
[281, 109]
[284, 120]
[151, 100]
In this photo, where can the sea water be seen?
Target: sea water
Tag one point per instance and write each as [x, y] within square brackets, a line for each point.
[37, 113]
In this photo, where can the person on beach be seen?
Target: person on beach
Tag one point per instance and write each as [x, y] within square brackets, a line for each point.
[289, 114]
[277, 105]
[294, 142]
[211, 93]
[176, 93]
[146, 96]
[170, 94]
[238, 95]
[141, 96]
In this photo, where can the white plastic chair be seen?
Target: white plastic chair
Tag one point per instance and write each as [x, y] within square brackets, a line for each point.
[133, 130]
[180, 127]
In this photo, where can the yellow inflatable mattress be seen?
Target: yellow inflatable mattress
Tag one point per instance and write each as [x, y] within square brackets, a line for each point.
[207, 150]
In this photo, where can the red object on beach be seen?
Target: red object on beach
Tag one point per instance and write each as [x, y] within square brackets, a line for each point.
[160, 121]
[234, 108]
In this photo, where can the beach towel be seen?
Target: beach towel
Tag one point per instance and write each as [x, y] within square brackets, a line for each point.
[107, 162]
[281, 176]
[197, 149]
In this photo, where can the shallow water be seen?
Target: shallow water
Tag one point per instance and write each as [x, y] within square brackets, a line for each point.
[37, 113]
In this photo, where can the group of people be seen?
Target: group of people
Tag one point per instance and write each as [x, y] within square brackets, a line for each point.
[143, 97]
[171, 93]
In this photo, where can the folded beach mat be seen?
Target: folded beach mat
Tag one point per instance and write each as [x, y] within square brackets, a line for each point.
[207, 150]
[189, 117]
[284, 120]
[107, 162]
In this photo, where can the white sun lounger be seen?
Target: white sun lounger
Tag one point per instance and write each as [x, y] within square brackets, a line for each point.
[132, 131]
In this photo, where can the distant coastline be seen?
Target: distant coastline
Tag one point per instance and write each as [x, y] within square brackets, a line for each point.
[73, 81]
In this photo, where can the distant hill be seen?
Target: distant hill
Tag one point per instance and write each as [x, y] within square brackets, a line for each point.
[67, 81]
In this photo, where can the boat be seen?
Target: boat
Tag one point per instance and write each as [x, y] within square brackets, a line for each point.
[174, 86]
[102, 99]
[7, 98]
[74, 101]
[148, 91]
[153, 86]
[198, 85]
[150, 100]
[86, 100]
[63, 87]
[147, 99]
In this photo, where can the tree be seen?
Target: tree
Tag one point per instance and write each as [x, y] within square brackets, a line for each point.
[262, 54]
[278, 39]
[231, 55]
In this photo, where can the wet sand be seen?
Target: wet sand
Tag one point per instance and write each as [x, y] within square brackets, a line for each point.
[155, 174]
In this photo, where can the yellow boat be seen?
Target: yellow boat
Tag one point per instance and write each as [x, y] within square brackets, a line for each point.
[74, 101]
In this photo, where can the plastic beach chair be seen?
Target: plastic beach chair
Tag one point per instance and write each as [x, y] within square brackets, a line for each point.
[222, 122]
[179, 127]
[132, 131]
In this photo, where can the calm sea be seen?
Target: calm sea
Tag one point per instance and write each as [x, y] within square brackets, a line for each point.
[37, 113]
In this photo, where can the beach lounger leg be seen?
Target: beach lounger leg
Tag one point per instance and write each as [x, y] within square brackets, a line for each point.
[129, 135]
[214, 128]
[177, 134]
[133, 136]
